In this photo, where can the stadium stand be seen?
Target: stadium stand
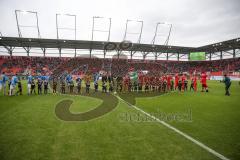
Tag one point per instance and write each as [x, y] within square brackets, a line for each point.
[118, 67]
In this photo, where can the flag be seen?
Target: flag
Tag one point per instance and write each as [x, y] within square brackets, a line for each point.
[133, 75]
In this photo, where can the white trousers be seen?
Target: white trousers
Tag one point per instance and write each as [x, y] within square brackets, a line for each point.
[12, 90]
[29, 88]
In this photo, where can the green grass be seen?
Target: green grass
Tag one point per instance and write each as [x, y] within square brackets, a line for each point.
[29, 128]
[215, 117]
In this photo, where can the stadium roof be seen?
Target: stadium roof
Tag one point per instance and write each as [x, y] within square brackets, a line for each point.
[221, 46]
[11, 42]
[83, 44]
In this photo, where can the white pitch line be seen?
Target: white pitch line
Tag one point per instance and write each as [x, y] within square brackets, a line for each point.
[179, 132]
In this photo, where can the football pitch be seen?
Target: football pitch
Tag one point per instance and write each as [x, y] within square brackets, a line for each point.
[30, 128]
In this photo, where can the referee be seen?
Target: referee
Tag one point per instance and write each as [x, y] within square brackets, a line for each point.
[227, 82]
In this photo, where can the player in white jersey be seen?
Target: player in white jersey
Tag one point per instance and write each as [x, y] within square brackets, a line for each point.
[29, 82]
[3, 81]
[14, 82]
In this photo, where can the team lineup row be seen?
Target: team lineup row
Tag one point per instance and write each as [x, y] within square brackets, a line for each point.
[144, 83]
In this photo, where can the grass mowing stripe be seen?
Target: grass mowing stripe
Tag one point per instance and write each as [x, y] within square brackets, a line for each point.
[178, 131]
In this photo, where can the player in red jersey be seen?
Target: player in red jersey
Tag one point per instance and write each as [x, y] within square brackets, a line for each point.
[151, 83]
[125, 83]
[169, 78]
[195, 83]
[140, 81]
[146, 84]
[176, 81]
[183, 81]
[204, 82]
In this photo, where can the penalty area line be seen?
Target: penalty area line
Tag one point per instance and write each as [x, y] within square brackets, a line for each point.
[200, 144]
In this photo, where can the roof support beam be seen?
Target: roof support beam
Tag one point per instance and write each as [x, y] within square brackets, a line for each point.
[9, 49]
[221, 55]
[144, 55]
[131, 55]
[156, 56]
[118, 54]
[234, 53]
[27, 49]
[104, 53]
[44, 52]
[60, 52]
[90, 53]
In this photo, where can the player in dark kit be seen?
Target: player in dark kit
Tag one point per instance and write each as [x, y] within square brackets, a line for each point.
[146, 86]
[45, 87]
[129, 86]
[164, 85]
[140, 86]
[33, 86]
[185, 85]
[96, 86]
[71, 86]
[172, 84]
[160, 85]
[104, 87]
[192, 85]
[179, 85]
[135, 86]
[87, 86]
[63, 87]
[9, 84]
[120, 86]
[87, 82]
[54, 86]
[118, 79]
[79, 85]
[110, 87]
[39, 83]
[19, 88]
[154, 84]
